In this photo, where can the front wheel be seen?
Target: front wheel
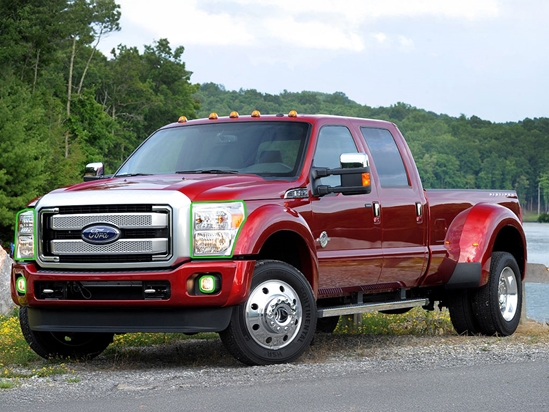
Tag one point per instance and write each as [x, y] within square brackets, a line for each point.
[65, 345]
[277, 322]
[498, 304]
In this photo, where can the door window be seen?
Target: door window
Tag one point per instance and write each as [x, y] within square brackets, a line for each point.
[386, 156]
[332, 142]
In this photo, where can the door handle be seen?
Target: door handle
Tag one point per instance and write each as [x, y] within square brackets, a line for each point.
[376, 207]
[419, 212]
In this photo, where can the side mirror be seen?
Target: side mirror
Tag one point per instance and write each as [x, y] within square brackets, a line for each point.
[93, 171]
[356, 178]
[354, 172]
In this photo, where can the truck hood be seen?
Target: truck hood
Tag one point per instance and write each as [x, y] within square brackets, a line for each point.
[195, 187]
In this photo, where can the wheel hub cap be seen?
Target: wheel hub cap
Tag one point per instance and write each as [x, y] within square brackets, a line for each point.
[507, 294]
[273, 314]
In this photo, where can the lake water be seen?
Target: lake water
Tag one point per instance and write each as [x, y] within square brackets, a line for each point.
[537, 294]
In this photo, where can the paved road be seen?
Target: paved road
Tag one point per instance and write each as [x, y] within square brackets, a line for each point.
[377, 374]
[505, 387]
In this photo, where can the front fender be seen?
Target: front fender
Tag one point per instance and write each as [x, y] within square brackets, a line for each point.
[472, 235]
[268, 220]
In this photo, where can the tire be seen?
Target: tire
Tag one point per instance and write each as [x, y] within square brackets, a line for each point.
[64, 345]
[460, 305]
[498, 304]
[327, 325]
[277, 322]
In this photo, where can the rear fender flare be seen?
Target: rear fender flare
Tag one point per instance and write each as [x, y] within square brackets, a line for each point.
[472, 235]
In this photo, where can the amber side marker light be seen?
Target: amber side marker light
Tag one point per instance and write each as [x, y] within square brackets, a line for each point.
[213, 116]
[182, 119]
[366, 179]
[234, 115]
[292, 113]
[256, 113]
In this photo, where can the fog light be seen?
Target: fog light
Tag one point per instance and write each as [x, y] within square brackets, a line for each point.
[207, 284]
[21, 285]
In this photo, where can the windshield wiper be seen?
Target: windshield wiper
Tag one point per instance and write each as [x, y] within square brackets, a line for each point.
[133, 174]
[211, 171]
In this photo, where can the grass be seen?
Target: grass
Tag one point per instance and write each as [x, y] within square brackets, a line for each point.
[415, 322]
[14, 350]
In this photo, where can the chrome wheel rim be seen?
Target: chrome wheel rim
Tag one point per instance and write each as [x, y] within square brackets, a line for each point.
[273, 314]
[507, 294]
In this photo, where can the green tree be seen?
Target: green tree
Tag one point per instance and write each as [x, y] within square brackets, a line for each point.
[23, 150]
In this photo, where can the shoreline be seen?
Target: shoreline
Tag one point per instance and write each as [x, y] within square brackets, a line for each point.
[537, 273]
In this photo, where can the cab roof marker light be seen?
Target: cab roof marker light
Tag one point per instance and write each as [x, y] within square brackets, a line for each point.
[182, 119]
[213, 116]
[234, 115]
[292, 113]
[256, 113]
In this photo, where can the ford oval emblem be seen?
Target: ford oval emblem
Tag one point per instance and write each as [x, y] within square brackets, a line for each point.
[100, 234]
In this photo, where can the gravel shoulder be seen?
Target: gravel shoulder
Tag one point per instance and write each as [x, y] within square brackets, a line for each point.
[205, 363]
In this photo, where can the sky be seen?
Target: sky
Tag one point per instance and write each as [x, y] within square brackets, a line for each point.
[487, 58]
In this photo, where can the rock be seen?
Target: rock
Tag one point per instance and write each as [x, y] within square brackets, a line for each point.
[537, 273]
[6, 304]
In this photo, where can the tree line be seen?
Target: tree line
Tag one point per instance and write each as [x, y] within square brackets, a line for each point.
[63, 103]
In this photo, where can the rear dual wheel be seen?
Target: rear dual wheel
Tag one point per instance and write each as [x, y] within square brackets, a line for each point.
[495, 308]
[498, 304]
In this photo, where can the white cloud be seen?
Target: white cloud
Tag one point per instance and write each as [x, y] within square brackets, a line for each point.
[380, 37]
[316, 24]
[183, 23]
[406, 44]
[367, 9]
[313, 34]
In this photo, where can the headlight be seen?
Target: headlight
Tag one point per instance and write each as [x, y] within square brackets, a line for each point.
[24, 235]
[215, 227]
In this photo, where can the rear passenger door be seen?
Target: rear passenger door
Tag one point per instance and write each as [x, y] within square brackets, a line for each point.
[402, 203]
[348, 241]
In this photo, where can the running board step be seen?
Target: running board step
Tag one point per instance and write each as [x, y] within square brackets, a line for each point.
[369, 307]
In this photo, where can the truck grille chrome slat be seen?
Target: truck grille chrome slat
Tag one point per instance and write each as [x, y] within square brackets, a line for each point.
[133, 246]
[122, 221]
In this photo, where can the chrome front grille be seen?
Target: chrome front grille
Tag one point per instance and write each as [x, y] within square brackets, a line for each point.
[145, 234]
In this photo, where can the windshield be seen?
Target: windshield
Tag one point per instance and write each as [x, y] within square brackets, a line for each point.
[269, 149]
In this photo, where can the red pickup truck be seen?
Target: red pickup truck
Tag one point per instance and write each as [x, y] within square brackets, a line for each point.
[264, 229]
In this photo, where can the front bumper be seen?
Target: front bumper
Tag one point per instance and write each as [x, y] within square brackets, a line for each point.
[234, 275]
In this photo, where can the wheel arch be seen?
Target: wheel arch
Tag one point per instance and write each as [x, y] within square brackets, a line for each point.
[510, 239]
[278, 233]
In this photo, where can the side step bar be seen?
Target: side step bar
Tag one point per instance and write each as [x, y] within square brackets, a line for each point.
[369, 307]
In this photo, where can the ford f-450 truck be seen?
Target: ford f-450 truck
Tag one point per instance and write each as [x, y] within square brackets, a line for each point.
[264, 228]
